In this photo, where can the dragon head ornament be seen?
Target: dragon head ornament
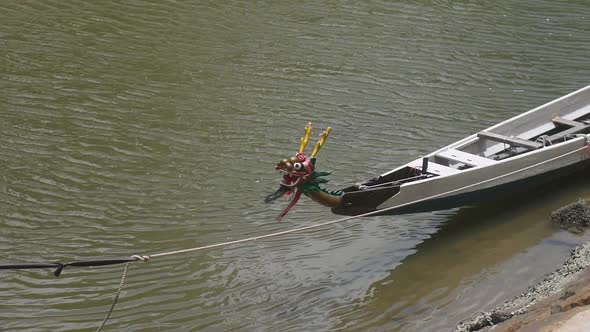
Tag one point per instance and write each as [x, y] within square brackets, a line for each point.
[300, 177]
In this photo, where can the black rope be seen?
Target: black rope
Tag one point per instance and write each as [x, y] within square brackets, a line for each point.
[60, 266]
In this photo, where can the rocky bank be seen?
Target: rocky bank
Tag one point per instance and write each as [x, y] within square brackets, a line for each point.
[560, 302]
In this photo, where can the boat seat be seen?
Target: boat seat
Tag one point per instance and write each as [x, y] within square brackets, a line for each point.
[438, 169]
[513, 141]
[465, 158]
[565, 122]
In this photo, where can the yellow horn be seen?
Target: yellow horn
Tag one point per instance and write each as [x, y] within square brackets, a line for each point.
[321, 142]
[305, 138]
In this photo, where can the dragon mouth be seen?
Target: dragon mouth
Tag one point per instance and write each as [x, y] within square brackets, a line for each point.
[290, 180]
[288, 186]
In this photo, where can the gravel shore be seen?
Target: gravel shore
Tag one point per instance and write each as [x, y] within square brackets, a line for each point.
[560, 302]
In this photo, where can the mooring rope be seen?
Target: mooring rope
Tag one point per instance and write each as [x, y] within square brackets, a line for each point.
[116, 298]
[145, 258]
[255, 238]
[59, 267]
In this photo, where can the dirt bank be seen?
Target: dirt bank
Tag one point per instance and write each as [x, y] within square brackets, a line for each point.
[561, 298]
[567, 310]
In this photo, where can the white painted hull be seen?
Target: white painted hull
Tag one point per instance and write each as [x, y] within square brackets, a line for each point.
[549, 138]
[504, 172]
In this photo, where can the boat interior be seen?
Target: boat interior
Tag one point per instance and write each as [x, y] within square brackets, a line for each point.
[542, 127]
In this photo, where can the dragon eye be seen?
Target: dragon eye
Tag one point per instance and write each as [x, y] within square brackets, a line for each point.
[297, 166]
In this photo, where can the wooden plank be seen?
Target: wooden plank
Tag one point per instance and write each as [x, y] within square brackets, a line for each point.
[465, 158]
[509, 140]
[441, 169]
[438, 169]
[565, 122]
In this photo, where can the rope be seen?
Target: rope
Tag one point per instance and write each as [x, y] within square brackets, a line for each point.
[117, 294]
[59, 267]
[260, 237]
[544, 140]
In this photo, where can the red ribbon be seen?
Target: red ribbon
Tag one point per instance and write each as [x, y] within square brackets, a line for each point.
[291, 204]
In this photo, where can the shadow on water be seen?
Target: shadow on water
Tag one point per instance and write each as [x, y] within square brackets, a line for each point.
[472, 242]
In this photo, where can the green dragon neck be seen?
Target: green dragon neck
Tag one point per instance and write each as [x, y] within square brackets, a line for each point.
[312, 189]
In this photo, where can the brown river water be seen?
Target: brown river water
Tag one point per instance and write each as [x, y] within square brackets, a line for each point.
[139, 127]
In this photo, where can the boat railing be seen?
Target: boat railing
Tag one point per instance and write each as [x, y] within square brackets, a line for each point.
[394, 182]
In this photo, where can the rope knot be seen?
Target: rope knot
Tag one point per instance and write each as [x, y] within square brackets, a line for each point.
[145, 258]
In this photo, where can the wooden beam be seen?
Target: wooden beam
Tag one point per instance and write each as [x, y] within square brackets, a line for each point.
[515, 141]
[465, 158]
[565, 122]
[434, 168]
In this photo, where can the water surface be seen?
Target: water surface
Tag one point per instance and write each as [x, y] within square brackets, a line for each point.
[140, 127]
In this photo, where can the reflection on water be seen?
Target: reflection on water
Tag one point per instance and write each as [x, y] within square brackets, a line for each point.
[480, 257]
[142, 127]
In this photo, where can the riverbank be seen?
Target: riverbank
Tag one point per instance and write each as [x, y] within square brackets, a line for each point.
[567, 310]
[560, 302]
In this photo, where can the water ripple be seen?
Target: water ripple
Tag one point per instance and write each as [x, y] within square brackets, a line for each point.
[143, 127]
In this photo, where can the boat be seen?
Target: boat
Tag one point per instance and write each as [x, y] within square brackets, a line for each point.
[538, 146]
